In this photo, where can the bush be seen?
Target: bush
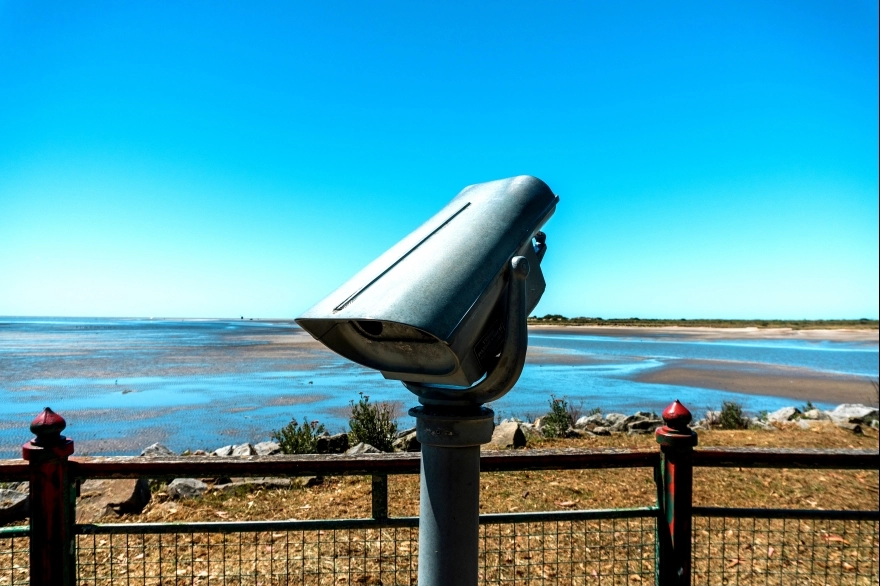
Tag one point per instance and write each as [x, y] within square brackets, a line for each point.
[296, 438]
[372, 423]
[807, 407]
[557, 422]
[731, 416]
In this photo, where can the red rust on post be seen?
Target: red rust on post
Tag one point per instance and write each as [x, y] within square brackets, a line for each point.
[51, 497]
[677, 443]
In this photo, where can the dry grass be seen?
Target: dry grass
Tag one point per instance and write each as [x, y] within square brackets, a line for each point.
[350, 497]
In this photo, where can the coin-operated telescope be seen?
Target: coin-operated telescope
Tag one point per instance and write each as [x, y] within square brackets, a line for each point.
[444, 311]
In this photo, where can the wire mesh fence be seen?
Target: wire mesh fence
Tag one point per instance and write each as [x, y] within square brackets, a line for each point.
[785, 551]
[269, 558]
[603, 551]
[614, 551]
[14, 557]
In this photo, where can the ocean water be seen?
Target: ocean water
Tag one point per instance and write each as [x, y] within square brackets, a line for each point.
[122, 384]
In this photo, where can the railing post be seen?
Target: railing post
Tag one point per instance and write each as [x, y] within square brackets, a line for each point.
[380, 497]
[677, 443]
[51, 502]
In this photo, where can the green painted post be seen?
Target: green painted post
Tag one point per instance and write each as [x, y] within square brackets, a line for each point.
[677, 443]
[380, 497]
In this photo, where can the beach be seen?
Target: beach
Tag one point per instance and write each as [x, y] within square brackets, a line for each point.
[123, 384]
[798, 384]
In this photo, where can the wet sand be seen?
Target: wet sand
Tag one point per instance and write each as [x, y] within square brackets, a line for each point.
[799, 384]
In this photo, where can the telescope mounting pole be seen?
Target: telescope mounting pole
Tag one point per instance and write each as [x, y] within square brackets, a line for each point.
[449, 506]
[451, 426]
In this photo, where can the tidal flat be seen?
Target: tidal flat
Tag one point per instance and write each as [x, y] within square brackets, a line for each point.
[200, 384]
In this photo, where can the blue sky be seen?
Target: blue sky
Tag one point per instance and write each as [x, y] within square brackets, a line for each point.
[208, 159]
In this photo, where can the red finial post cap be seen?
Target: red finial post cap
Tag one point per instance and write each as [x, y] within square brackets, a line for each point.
[677, 417]
[676, 431]
[47, 427]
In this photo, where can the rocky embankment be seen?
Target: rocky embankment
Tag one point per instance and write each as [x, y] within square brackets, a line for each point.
[106, 499]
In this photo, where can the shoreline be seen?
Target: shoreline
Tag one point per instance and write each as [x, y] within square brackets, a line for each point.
[715, 333]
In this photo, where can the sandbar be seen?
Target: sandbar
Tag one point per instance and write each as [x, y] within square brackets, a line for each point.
[800, 384]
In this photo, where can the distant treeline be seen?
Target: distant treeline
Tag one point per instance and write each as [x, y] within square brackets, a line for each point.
[796, 324]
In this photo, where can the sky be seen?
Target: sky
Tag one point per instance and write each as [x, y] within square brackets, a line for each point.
[217, 159]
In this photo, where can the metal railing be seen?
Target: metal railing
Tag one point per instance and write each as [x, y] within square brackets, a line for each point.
[635, 546]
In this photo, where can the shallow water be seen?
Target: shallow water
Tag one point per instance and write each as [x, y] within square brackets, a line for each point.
[125, 383]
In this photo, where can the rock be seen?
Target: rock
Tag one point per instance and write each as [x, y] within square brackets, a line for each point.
[601, 431]
[807, 423]
[19, 486]
[760, 424]
[243, 450]
[783, 415]
[530, 430]
[588, 420]
[538, 423]
[186, 488]
[362, 448]
[815, 415]
[408, 443]
[615, 421]
[614, 417]
[14, 506]
[267, 449]
[332, 444]
[853, 413]
[249, 484]
[100, 498]
[200, 453]
[223, 452]
[157, 450]
[508, 435]
[405, 432]
[644, 425]
[637, 431]
[572, 432]
[856, 428]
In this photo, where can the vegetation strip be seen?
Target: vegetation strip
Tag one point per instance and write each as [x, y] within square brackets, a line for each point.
[795, 324]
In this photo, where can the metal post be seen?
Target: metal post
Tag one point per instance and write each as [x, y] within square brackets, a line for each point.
[51, 497]
[677, 443]
[449, 503]
[380, 497]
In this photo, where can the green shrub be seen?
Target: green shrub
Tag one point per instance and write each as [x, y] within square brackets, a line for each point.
[372, 423]
[807, 407]
[557, 422]
[731, 416]
[296, 438]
